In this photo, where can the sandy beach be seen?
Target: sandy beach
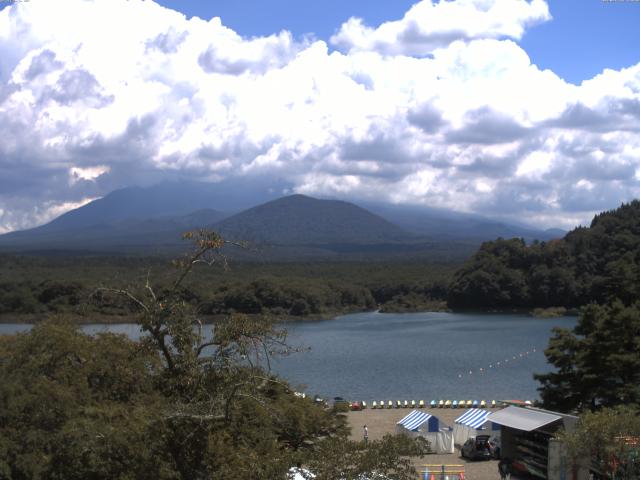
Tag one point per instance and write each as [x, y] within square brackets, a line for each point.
[381, 422]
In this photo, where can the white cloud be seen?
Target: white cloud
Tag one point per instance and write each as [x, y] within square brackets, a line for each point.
[77, 174]
[428, 26]
[37, 214]
[535, 164]
[473, 126]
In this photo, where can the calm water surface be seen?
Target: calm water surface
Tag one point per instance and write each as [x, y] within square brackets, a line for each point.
[374, 356]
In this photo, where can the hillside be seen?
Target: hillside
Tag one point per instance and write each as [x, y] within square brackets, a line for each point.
[121, 234]
[594, 264]
[151, 220]
[450, 225]
[302, 220]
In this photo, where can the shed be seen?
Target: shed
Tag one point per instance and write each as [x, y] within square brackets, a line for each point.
[472, 423]
[421, 424]
[528, 440]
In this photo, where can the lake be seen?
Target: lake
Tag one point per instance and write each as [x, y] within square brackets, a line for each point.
[374, 356]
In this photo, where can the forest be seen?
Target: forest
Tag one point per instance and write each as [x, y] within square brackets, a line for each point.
[598, 263]
[32, 287]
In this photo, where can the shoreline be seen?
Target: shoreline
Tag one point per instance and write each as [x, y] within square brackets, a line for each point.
[103, 319]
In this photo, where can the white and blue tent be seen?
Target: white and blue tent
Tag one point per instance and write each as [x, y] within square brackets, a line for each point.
[421, 424]
[472, 423]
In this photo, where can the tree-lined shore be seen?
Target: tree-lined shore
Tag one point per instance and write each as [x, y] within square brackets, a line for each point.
[33, 287]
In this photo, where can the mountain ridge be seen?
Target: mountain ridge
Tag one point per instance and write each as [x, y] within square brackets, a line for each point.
[152, 219]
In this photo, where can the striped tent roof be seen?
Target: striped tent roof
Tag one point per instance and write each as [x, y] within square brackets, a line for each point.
[474, 418]
[414, 420]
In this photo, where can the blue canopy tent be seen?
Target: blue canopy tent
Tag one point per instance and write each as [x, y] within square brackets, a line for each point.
[472, 423]
[421, 424]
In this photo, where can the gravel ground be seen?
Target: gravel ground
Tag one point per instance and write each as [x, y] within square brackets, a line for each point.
[381, 422]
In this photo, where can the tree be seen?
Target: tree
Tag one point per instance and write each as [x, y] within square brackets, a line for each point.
[598, 363]
[76, 406]
[596, 264]
[610, 439]
[183, 402]
[349, 460]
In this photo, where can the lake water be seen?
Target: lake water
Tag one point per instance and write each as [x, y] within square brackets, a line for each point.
[375, 356]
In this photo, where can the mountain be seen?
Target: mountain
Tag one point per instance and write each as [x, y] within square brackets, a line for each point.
[317, 228]
[444, 224]
[302, 220]
[168, 199]
[115, 235]
[151, 220]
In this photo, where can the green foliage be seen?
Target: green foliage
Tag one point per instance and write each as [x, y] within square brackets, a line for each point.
[598, 363]
[610, 439]
[285, 291]
[177, 404]
[76, 406]
[349, 460]
[595, 264]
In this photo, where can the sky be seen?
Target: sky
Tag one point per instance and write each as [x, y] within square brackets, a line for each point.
[522, 110]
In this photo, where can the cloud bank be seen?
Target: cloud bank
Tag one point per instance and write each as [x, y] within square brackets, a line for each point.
[441, 108]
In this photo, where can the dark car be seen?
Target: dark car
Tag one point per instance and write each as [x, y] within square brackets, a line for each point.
[339, 402]
[477, 448]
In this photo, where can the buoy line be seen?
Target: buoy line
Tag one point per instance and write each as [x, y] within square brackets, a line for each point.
[500, 363]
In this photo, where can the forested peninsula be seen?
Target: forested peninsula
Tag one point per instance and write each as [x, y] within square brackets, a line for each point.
[597, 264]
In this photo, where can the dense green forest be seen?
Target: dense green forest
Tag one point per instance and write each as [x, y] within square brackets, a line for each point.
[32, 287]
[595, 264]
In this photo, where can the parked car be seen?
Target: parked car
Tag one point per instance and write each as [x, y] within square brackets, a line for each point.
[477, 448]
[339, 402]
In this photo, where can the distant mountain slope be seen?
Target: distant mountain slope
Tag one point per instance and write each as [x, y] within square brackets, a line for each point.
[169, 199]
[595, 264]
[151, 220]
[443, 224]
[302, 220]
[114, 235]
